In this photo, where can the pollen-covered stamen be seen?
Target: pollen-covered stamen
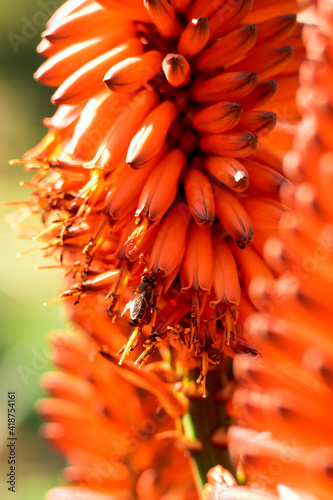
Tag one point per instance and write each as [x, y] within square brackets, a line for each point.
[91, 192]
[203, 373]
[102, 230]
[54, 226]
[177, 70]
[195, 318]
[194, 37]
[130, 344]
[117, 291]
[135, 239]
[229, 322]
[93, 284]
[150, 346]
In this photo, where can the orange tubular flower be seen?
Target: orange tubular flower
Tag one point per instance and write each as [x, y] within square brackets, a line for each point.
[204, 140]
[160, 166]
[285, 398]
[111, 442]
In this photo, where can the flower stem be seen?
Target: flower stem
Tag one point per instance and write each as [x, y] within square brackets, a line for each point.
[203, 418]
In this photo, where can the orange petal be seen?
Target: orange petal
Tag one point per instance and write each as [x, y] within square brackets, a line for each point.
[226, 283]
[125, 126]
[123, 195]
[227, 16]
[170, 243]
[65, 10]
[275, 30]
[62, 64]
[128, 9]
[176, 69]
[150, 138]
[87, 81]
[73, 28]
[194, 37]
[262, 11]
[262, 93]
[269, 158]
[133, 72]
[94, 123]
[200, 198]
[264, 177]
[228, 171]
[217, 118]
[258, 122]
[233, 217]
[161, 187]
[266, 63]
[265, 213]
[236, 144]
[225, 87]
[196, 272]
[163, 16]
[228, 48]
[250, 264]
[180, 5]
[202, 8]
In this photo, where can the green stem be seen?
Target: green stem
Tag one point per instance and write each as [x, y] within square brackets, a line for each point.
[203, 418]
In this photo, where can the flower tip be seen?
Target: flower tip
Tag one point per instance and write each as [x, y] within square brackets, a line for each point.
[176, 69]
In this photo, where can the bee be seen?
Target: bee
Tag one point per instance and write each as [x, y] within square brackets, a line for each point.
[142, 303]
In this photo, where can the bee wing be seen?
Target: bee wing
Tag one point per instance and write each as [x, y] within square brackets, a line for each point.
[128, 305]
[135, 305]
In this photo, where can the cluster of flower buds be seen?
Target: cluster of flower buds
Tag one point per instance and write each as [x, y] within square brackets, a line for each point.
[161, 164]
[168, 201]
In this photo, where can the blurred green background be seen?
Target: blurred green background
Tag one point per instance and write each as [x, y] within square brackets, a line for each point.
[25, 322]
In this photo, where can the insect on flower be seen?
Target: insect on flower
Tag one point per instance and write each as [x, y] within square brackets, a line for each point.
[142, 303]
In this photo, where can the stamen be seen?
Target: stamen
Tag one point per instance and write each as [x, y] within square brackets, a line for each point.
[230, 327]
[49, 229]
[129, 344]
[137, 236]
